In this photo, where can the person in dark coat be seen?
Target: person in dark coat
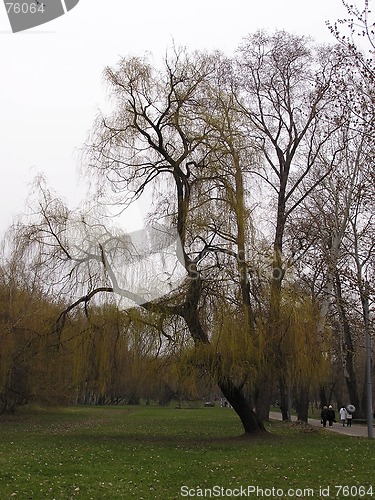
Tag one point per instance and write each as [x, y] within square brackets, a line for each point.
[324, 416]
[331, 417]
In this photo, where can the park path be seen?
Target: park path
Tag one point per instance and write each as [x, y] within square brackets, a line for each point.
[359, 430]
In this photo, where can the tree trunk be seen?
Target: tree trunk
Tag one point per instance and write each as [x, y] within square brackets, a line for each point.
[283, 400]
[235, 396]
[274, 355]
[263, 397]
[250, 420]
[323, 396]
[303, 405]
[348, 352]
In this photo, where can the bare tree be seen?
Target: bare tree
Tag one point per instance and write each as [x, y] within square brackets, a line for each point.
[286, 98]
[340, 236]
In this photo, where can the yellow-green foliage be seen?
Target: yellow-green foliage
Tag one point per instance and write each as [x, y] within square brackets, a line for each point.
[297, 352]
[232, 350]
[29, 351]
[304, 351]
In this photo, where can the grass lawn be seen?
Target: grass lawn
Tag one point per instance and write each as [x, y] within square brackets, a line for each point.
[148, 452]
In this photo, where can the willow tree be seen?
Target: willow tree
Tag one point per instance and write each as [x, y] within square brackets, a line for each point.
[193, 135]
[174, 132]
[113, 355]
[179, 128]
[27, 361]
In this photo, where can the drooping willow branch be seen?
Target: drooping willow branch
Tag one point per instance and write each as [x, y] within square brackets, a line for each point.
[60, 322]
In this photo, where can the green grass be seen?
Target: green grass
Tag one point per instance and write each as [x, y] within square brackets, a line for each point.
[150, 453]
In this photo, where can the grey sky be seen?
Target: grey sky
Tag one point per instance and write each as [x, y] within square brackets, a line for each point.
[51, 76]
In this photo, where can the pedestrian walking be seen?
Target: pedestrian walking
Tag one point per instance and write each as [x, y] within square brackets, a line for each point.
[331, 417]
[350, 410]
[349, 419]
[324, 416]
[343, 415]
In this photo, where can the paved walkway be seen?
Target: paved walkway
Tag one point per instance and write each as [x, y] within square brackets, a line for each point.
[359, 430]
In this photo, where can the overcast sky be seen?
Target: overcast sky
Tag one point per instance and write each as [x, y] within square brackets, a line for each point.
[51, 76]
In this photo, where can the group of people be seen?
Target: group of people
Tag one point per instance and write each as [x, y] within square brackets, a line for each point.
[346, 416]
[328, 415]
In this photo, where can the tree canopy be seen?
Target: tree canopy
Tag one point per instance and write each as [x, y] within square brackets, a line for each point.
[258, 174]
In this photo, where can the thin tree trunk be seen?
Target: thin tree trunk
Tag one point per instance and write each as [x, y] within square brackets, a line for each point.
[348, 351]
[323, 397]
[264, 393]
[303, 404]
[283, 399]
